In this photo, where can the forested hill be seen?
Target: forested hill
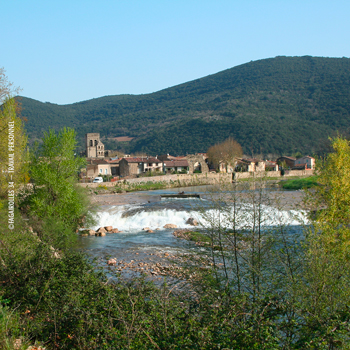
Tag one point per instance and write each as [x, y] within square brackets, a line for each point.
[279, 105]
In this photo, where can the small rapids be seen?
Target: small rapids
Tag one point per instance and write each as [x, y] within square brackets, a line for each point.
[133, 218]
[133, 244]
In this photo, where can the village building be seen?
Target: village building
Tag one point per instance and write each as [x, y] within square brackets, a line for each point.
[94, 147]
[196, 162]
[97, 167]
[114, 164]
[271, 165]
[225, 168]
[139, 165]
[250, 165]
[286, 161]
[305, 162]
[171, 166]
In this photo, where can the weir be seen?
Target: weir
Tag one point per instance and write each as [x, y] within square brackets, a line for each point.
[133, 218]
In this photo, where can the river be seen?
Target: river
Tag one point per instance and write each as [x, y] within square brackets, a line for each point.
[132, 212]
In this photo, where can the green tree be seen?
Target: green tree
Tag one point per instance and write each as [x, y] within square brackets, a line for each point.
[13, 140]
[55, 200]
[333, 196]
[324, 284]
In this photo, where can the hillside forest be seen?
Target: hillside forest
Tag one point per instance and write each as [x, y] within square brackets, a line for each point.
[280, 105]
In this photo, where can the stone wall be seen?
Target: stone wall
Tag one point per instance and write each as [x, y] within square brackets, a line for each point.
[203, 179]
[128, 168]
[306, 172]
[195, 159]
[288, 173]
[208, 178]
[179, 179]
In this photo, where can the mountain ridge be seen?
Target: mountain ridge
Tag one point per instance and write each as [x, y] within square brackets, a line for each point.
[275, 105]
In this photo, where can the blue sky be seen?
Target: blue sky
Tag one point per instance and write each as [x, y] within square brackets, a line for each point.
[69, 51]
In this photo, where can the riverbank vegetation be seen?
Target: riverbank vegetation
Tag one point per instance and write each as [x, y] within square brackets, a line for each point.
[301, 183]
[260, 288]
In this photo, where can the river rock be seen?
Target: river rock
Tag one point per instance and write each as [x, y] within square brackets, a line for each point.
[100, 234]
[192, 222]
[92, 233]
[150, 231]
[101, 230]
[115, 230]
[108, 228]
[146, 228]
[112, 262]
[169, 226]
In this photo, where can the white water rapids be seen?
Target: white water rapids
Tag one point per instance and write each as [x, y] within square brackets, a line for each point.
[134, 243]
[131, 218]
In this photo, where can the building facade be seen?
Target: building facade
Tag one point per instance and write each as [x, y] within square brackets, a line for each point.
[94, 147]
[138, 165]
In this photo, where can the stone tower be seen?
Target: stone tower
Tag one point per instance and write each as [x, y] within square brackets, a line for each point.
[94, 147]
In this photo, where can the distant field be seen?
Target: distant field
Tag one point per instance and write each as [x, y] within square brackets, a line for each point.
[122, 138]
[297, 184]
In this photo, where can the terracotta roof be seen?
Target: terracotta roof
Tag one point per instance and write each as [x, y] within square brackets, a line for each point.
[97, 161]
[173, 163]
[142, 160]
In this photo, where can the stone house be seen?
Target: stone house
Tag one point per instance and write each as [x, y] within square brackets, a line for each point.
[288, 161]
[305, 162]
[271, 165]
[226, 168]
[114, 164]
[250, 165]
[97, 167]
[138, 165]
[170, 166]
[196, 162]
